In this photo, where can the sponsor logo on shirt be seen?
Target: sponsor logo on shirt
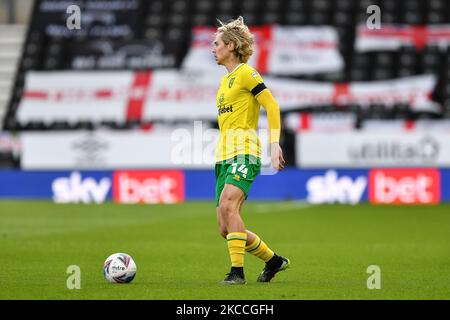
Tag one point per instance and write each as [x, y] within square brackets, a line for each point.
[225, 109]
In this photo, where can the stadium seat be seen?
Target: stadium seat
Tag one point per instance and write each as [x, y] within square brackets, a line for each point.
[154, 33]
[201, 19]
[29, 63]
[343, 19]
[408, 59]
[204, 6]
[155, 20]
[296, 18]
[250, 6]
[412, 18]
[431, 60]
[381, 73]
[320, 18]
[389, 6]
[384, 59]
[157, 6]
[226, 7]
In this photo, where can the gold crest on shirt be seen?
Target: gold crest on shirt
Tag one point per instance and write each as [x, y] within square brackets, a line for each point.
[230, 84]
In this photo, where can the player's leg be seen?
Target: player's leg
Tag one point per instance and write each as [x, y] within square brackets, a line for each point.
[231, 222]
[222, 224]
[229, 205]
[258, 248]
[220, 172]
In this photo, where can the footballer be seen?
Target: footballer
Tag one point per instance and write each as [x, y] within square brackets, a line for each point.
[238, 152]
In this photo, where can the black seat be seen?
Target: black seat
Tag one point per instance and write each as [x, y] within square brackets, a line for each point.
[384, 60]
[180, 6]
[226, 7]
[51, 63]
[408, 58]
[154, 33]
[296, 18]
[431, 60]
[344, 6]
[362, 60]
[389, 17]
[157, 7]
[435, 17]
[202, 19]
[410, 17]
[391, 6]
[155, 20]
[320, 18]
[382, 73]
[272, 18]
[204, 6]
[405, 72]
[250, 6]
[343, 19]
[179, 20]
[29, 63]
[357, 74]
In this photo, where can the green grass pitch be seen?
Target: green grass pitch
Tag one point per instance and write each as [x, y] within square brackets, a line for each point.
[180, 255]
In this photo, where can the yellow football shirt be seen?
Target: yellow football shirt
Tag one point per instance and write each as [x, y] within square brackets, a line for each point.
[238, 113]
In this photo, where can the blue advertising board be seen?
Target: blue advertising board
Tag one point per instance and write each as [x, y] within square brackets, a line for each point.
[312, 185]
[60, 186]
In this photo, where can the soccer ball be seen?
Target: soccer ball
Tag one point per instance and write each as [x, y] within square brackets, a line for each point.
[119, 268]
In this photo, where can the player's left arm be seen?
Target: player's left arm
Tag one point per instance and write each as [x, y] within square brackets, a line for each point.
[267, 100]
[253, 82]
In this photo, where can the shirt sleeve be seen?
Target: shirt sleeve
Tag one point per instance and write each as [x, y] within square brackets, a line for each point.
[267, 100]
[253, 82]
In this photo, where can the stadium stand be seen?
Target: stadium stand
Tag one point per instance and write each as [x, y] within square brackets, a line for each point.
[170, 23]
[11, 39]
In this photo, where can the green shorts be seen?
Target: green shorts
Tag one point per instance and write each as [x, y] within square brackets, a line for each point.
[239, 171]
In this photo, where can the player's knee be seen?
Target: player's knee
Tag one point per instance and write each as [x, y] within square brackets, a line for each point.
[225, 208]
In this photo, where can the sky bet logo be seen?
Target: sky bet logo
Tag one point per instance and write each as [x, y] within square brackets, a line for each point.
[157, 186]
[330, 188]
[404, 186]
[76, 189]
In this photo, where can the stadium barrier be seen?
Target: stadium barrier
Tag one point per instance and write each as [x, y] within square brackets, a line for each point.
[371, 148]
[188, 147]
[347, 186]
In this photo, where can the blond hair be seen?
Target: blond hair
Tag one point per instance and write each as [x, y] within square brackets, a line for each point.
[237, 32]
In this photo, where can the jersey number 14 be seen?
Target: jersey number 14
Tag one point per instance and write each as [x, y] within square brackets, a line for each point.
[242, 169]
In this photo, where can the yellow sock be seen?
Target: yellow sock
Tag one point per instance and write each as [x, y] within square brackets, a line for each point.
[236, 246]
[259, 249]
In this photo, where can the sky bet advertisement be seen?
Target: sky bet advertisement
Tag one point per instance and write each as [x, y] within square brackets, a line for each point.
[377, 186]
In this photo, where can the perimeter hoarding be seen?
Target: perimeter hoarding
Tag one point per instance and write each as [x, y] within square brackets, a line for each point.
[317, 186]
